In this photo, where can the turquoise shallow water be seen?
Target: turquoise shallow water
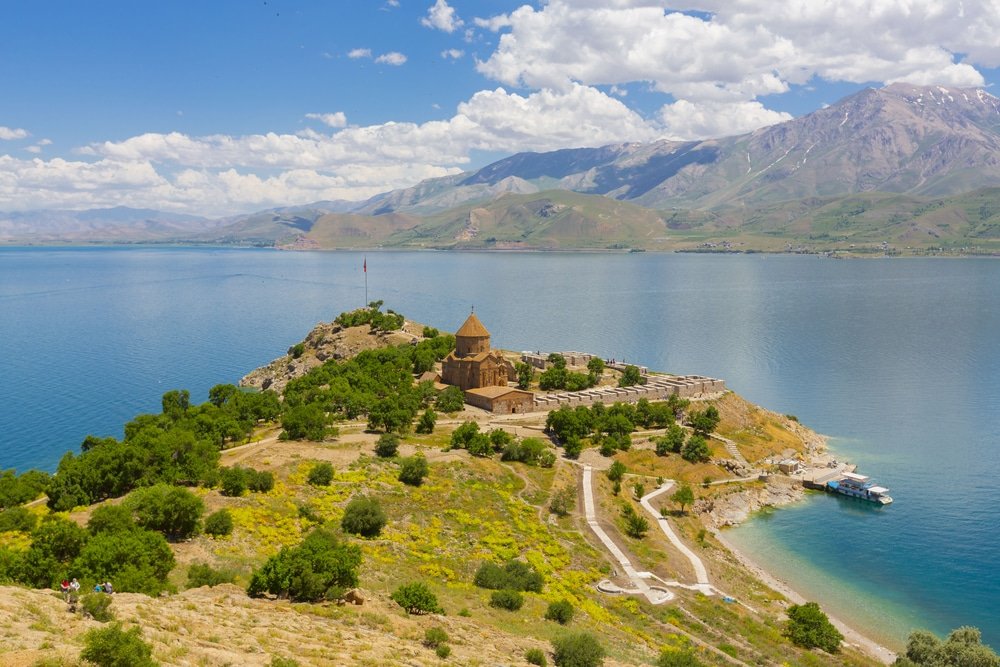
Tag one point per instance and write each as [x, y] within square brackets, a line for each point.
[897, 360]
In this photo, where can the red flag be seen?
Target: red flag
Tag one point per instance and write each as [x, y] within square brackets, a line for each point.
[364, 267]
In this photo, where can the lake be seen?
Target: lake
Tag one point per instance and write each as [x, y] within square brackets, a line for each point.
[896, 360]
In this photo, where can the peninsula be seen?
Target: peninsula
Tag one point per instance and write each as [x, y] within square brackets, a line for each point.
[388, 494]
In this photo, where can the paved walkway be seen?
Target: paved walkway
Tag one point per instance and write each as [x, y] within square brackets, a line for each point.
[732, 449]
[700, 573]
[655, 595]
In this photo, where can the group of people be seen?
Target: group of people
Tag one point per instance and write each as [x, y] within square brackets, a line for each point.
[71, 589]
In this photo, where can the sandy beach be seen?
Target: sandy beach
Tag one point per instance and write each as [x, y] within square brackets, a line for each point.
[851, 636]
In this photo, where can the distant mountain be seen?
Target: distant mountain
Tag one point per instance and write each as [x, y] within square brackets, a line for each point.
[116, 224]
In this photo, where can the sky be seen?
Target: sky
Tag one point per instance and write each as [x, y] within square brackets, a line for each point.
[224, 107]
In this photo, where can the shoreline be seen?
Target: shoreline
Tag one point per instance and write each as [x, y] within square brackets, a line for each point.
[853, 637]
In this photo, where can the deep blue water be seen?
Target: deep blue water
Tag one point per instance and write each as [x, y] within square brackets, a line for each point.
[897, 360]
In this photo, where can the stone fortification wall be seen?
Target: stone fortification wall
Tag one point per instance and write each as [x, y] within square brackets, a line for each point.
[540, 359]
[657, 388]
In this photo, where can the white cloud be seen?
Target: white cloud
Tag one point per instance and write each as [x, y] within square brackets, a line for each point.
[441, 16]
[745, 48]
[685, 120]
[336, 119]
[454, 54]
[354, 54]
[11, 133]
[392, 58]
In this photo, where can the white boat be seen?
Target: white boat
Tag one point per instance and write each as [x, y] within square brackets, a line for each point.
[860, 486]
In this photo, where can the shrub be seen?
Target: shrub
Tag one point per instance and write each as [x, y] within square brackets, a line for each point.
[297, 350]
[305, 422]
[696, 450]
[233, 481]
[416, 598]
[171, 510]
[507, 599]
[219, 523]
[203, 574]
[809, 627]
[677, 658]
[616, 471]
[413, 469]
[17, 518]
[547, 459]
[363, 516]
[110, 519]
[572, 447]
[434, 637]
[320, 568]
[515, 575]
[430, 332]
[636, 525]
[387, 445]
[137, 561]
[112, 646]
[321, 474]
[536, 656]
[283, 662]
[443, 651]
[563, 501]
[426, 422]
[463, 435]
[96, 605]
[560, 611]
[261, 481]
[577, 650]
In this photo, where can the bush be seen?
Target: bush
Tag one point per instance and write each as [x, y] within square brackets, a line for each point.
[416, 598]
[233, 481]
[321, 474]
[809, 627]
[261, 481]
[96, 605]
[547, 459]
[219, 523]
[696, 450]
[137, 561]
[283, 662]
[463, 435]
[443, 651]
[677, 658]
[560, 611]
[434, 637]
[363, 516]
[563, 501]
[413, 469]
[577, 650]
[320, 568]
[514, 575]
[636, 525]
[507, 599]
[171, 510]
[203, 574]
[17, 518]
[305, 422]
[112, 646]
[536, 656]
[110, 519]
[616, 471]
[427, 421]
[297, 350]
[387, 445]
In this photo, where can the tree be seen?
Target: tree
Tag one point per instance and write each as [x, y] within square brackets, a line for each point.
[321, 568]
[577, 650]
[416, 598]
[704, 422]
[636, 525]
[320, 474]
[305, 422]
[631, 377]
[413, 469]
[387, 445]
[696, 450]
[616, 471]
[363, 516]
[171, 510]
[113, 646]
[427, 421]
[683, 496]
[175, 403]
[556, 360]
[463, 435]
[525, 374]
[963, 647]
[451, 399]
[563, 501]
[809, 627]
[137, 561]
[672, 440]
[515, 575]
[233, 481]
[595, 366]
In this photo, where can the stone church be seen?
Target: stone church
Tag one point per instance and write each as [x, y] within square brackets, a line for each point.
[483, 373]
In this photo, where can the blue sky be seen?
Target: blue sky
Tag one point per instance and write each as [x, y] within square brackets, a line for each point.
[223, 107]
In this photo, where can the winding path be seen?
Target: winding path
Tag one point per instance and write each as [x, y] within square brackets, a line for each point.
[700, 573]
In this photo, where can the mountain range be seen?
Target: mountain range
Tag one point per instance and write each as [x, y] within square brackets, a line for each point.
[911, 166]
